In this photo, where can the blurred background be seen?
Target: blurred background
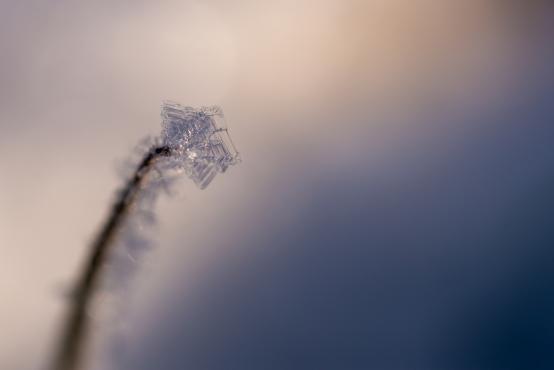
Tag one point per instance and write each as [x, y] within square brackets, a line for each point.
[393, 209]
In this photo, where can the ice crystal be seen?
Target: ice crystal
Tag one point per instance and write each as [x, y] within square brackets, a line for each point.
[199, 141]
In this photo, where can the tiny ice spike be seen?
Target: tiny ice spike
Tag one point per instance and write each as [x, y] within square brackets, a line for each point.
[199, 141]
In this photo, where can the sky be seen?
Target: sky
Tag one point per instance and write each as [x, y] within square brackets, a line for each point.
[392, 207]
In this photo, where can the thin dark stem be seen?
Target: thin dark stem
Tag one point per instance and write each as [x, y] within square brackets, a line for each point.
[73, 337]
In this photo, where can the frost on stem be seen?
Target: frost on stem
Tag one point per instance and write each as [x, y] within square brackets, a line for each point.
[194, 141]
[199, 141]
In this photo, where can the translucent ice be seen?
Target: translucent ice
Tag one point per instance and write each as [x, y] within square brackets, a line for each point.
[199, 141]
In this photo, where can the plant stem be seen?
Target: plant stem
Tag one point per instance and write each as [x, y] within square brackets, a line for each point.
[72, 341]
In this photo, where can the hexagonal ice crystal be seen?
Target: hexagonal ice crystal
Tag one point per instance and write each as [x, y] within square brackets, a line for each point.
[199, 141]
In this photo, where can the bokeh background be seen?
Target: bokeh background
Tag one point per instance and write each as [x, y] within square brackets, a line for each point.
[393, 209]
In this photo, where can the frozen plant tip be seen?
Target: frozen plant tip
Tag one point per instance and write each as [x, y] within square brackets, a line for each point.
[194, 141]
[198, 140]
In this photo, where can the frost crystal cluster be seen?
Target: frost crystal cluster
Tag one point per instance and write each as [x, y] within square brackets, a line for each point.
[199, 141]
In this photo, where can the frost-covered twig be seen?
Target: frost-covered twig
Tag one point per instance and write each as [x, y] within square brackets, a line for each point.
[192, 140]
